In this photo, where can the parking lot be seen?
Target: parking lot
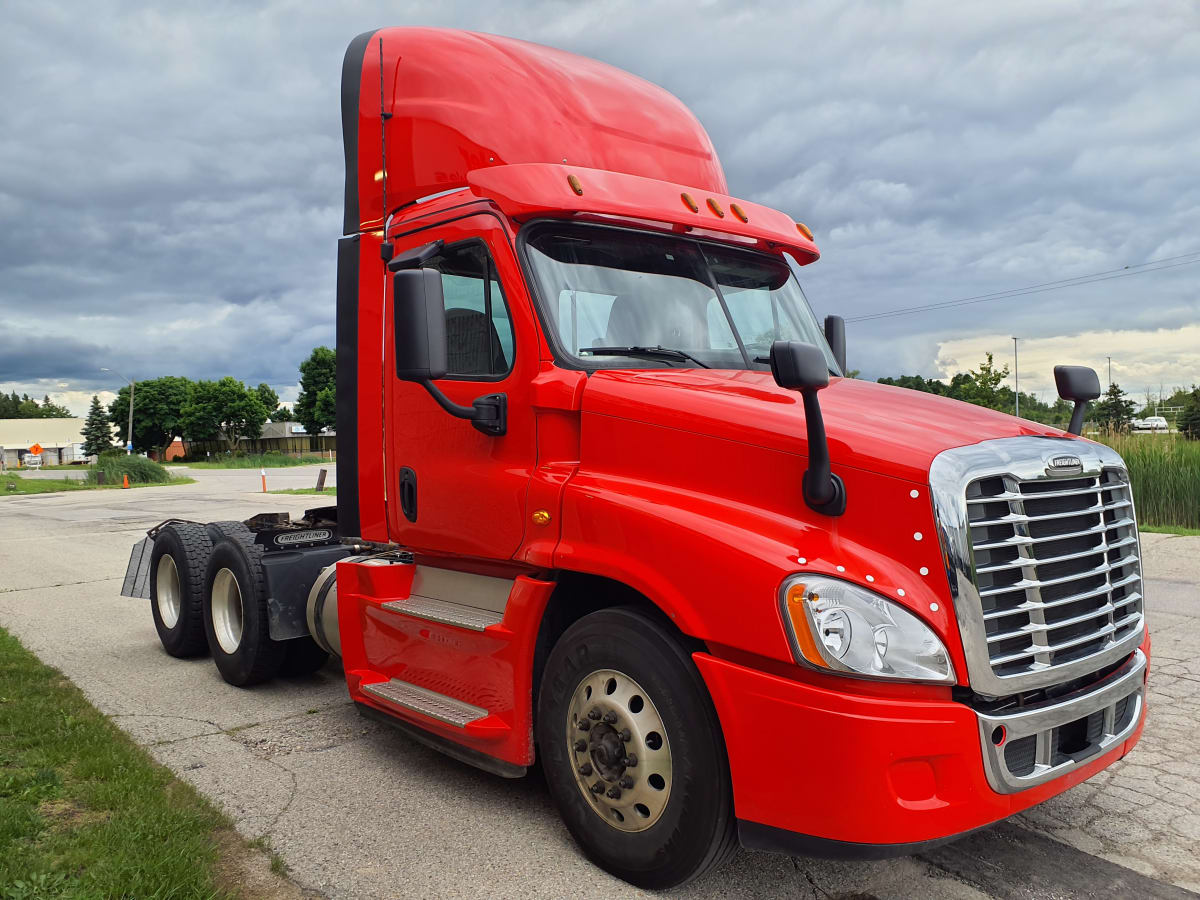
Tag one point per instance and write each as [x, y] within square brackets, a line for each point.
[357, 810]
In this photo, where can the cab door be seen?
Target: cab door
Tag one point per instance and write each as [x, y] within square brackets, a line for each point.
[453, 490]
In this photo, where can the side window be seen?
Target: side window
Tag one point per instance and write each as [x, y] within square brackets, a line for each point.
[479, 333]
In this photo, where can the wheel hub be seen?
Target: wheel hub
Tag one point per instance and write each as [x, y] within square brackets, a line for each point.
[618, 744]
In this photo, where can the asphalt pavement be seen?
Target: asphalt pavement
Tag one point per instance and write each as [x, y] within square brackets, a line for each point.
[360, 811]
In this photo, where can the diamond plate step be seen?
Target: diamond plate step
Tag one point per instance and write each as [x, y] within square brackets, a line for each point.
[445, 612]
[426, 702]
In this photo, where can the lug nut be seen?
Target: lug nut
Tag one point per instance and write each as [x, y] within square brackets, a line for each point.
[629, 761]
[597, 788]
[594, 713]
[584, 724]
[614, 793]
[610, 717]
[585, 769]
[624, 734]
[626, 782]
[580, 745]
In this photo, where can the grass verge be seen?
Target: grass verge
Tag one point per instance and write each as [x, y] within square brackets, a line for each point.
[261, 461]
[329, 490]
[1167, 529]
[84, 812]
[14, 486]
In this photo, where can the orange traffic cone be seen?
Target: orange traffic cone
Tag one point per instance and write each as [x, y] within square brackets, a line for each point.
[125, 481]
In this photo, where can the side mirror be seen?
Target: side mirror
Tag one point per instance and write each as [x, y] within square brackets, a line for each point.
[419, 320]
[835, 336]
[802, 367]
[1080, 385]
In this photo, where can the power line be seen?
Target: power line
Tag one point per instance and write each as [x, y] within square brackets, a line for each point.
[1153, 265]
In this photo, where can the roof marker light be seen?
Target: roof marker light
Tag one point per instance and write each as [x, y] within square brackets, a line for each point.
[573, 181]
[804, 230]
[716, 207]
[737, 211]
[689, 202]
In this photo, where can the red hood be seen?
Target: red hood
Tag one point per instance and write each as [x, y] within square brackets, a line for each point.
[890, 430]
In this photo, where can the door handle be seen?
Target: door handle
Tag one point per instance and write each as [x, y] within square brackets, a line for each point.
[408, 493]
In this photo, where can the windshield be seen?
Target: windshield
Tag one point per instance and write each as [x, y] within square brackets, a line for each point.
[633, 292]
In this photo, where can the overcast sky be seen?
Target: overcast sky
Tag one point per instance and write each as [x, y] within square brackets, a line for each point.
[171, 176]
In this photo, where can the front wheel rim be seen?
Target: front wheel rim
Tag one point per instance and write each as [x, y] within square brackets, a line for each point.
[227, 611]
[617, 745]
[167, 590]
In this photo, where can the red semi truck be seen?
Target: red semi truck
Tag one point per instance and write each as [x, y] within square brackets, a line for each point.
[720, 591]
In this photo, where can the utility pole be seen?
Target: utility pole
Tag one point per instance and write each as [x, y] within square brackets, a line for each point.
[1016, 382]
[129, 433]
[1109, 371]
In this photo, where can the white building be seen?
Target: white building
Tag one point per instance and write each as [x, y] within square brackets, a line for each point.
[61, 440]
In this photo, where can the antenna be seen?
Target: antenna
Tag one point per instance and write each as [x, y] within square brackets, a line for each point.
[384, 115]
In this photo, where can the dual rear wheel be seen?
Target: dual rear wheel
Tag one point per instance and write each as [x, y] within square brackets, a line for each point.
[208, 594]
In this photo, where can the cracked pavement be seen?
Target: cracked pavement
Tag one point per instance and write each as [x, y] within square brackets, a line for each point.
[358, 810]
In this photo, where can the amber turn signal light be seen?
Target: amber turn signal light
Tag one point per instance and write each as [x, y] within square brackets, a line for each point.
[796, 596]
[689, 202]
[716, 207]
[737, 211]
[804, 230]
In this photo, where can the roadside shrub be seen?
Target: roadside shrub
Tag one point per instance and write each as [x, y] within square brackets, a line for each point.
[111, 453]
[139, 469]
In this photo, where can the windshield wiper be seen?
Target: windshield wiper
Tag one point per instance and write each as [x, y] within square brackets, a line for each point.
[644, 353]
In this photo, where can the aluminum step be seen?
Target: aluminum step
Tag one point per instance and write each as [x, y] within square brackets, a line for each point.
[426, 702]
[445, 612]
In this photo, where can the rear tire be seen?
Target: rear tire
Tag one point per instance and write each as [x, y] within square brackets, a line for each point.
[618, 685]
[177, 566]
[236, 622]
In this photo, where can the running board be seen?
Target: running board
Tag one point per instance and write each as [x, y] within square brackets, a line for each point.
[426, 702]
[445, 612]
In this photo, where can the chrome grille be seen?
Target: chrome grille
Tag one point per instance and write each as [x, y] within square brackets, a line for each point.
[1042, 563]
[1056, 567]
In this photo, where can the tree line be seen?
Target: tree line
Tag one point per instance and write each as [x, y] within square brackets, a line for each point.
[24, 407]
[171, 406]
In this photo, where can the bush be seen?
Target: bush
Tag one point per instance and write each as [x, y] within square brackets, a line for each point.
[112, 453]
[139, 469]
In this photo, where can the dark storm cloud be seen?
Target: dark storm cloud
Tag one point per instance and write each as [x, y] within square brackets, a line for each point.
[170, 178]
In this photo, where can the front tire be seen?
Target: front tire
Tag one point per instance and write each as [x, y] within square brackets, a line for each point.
[177, 566]
[236, 622]
[633, 751]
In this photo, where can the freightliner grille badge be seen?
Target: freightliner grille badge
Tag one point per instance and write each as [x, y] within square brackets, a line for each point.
[1064, 465]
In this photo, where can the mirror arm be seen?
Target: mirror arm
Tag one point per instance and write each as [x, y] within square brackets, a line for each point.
[1076, 426]
[488, 413]
[824, 491]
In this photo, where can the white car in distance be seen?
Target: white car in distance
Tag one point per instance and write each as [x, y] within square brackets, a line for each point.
[1151, 423]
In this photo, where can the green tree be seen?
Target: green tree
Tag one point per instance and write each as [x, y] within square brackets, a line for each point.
[222, 410]
[1189, 418]
[28, 408]
[318, 375]
[984, 386]
[157, 403]
[9, 405]
[270, 400]
[50, 410]
[1115, 411]
[97, 430]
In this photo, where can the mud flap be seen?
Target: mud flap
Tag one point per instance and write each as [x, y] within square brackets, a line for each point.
[137, 573]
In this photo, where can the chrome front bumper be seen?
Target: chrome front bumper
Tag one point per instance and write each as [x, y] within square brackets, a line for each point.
[1064, 733]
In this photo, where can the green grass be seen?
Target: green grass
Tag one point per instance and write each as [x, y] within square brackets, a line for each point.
[1165, 472]
[328, 490]
[15, 486]
[84, 812]
[262, 461]
[1167, 529]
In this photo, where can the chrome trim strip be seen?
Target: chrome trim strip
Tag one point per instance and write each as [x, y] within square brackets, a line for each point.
[1025, 459]
[1042, 719]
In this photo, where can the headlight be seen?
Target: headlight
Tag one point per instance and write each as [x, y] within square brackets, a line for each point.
[841, 627]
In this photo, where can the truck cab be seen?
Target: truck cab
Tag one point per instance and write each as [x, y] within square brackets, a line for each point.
[607, 500]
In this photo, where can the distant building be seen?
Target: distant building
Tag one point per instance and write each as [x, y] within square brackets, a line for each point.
[277, 437]
[61, 440]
